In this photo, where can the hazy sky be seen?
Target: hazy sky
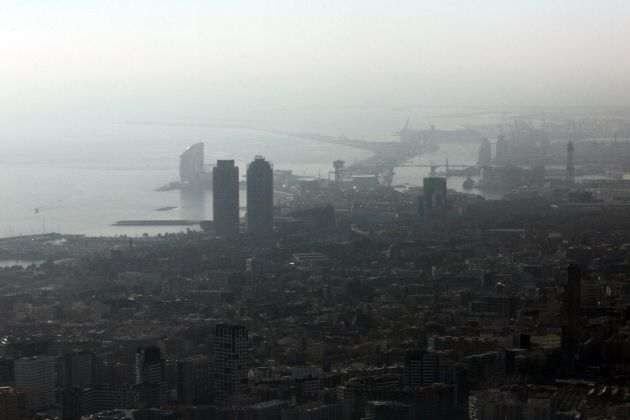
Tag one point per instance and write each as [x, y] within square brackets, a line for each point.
[127, 59]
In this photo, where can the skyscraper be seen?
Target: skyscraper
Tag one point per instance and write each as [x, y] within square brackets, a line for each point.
[38, 376]
[225, 200]
[339, 166]
[260, 197]
[191, 164]
[152, 388]
[193, 379]
[421, 368]
[229, 360]
[149, 365]
[434, 196]
[78, 369]
[14, 404]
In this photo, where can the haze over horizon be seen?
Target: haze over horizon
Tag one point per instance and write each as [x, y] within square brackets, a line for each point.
[117, 61]
[315, 209]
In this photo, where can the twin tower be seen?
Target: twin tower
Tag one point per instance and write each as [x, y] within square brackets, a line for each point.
[225, 198]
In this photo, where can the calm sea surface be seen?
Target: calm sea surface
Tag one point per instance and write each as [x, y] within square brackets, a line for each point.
[87, 179]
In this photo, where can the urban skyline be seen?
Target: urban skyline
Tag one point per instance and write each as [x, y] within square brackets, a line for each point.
[323, 210]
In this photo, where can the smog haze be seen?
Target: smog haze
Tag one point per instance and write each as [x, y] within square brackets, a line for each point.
[115, 60]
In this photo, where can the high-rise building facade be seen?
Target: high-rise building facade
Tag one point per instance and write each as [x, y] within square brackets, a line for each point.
[434, 196]
[229, 360]
[193, 380]
[152, 388]
[191, 163]
[76, 402]
[79, 369]
[149, 365]
[339, 166]
[225, 199]
[13, 404]
[421, 368]
[260, 197]
[38, 376]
